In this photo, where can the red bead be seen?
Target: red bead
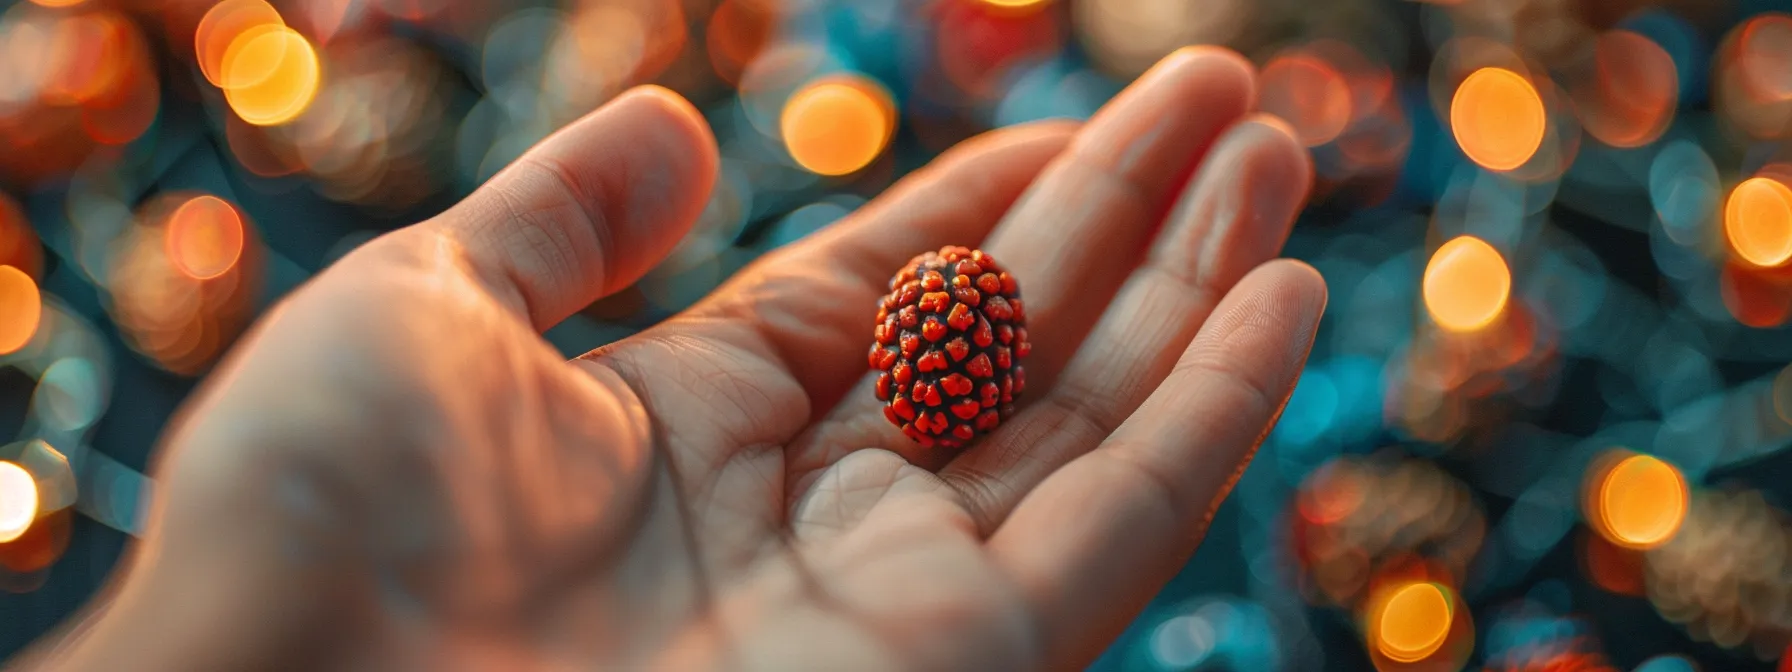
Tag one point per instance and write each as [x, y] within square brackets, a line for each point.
[949, 339]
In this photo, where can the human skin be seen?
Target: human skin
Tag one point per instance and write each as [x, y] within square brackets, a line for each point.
[394, 471]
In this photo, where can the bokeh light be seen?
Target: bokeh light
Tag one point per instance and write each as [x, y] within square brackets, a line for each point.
[21, 308]
[18, 501]
[19, 246]
[1638, 501]
[1467, 284]
[1629, 99]
[1765, 55]
[1308, 93]
[1498, 118]
[1758, 221]
[837, 125]
[205, 237]
[1412, 622]
[270, 75]
[222, 26]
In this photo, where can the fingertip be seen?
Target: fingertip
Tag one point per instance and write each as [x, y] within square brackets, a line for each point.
[684, 121]
[591, 208]
[1166, 120]
[1227, 72]
[1294, 286]
[1272, 140]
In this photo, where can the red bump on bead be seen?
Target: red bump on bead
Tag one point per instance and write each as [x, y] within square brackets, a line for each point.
[966, 409]
[964, 432]
[931, 361]
[908, 292]
[989, 283]
[958, 349]
[932, 281]
[883, 387]
[960, 318]
[983, 336]
[980, 366]
[998, 309]
[956, 385]
[935, 302]
[988, 420]
[932, 330]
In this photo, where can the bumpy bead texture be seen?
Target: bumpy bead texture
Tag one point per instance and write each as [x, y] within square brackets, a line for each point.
[949, 339]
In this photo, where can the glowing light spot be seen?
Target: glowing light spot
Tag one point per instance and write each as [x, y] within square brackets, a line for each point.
[1308, 93]
[21, 308]
[205, 237]
[1412, 623]
[1498, 118]
[1617, 570]
[57, 3]
[18, 501]
[222, 25]
[91, 52]
[1010, 4]
[18, 241]
[1764, 55]
[738, 30]
[1642, 502]
[1631, 99]
[837, 126]
[1466, 284]
[270, 75]
[1332, 494]
[1754, 298]
[1758, 221]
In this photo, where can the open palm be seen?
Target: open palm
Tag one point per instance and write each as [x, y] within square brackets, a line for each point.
[394, 471]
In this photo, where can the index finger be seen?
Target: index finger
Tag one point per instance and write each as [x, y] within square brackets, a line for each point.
[1100, 536]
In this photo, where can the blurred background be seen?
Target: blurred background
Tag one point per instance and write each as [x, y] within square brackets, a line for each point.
[1543, 427]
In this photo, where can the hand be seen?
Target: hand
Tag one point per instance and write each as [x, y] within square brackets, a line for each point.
[393, 471]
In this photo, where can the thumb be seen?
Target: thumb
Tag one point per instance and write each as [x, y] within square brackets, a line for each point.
[591, 208]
